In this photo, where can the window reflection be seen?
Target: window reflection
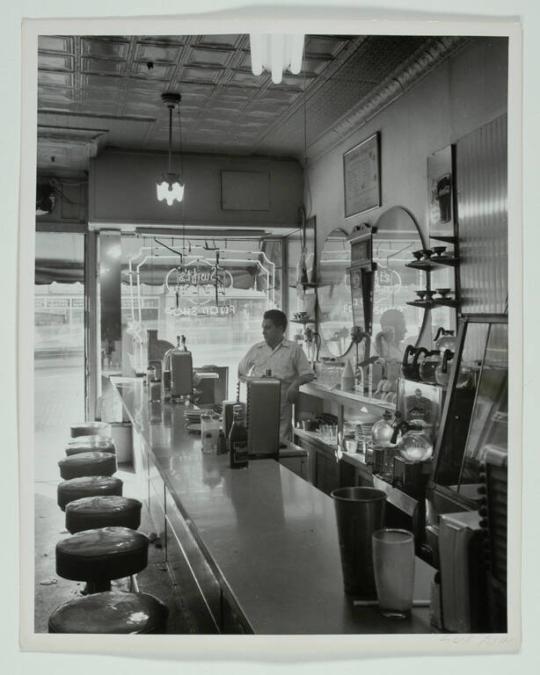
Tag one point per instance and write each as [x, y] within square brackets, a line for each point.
[170, 286]
[476, 420]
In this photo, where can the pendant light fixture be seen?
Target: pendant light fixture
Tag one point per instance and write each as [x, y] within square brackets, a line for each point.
[170, 188]
[276, 52]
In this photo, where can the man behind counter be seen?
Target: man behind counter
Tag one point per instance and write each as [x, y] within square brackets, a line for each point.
[284, 358]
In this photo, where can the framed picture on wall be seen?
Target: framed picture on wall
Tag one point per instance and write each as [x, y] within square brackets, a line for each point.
[362, 176]
[440, 174]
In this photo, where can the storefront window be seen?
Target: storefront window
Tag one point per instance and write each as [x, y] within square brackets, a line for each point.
[213, 292]
[58, 331]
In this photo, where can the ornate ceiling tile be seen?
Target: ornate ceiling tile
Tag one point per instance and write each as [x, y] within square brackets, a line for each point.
[158, 71]
[105, 47]
[161, 52]
[54, 79]
[56, 43]
[50, 61]
[103, 66]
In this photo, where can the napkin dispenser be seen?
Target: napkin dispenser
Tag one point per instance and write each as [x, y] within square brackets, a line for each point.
[263, 416]
[462, 569]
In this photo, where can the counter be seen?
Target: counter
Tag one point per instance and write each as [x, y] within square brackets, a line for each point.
[268, 536]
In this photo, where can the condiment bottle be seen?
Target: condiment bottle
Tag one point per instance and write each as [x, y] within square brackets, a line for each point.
[347, 377]
[222, 443]
[238, 441]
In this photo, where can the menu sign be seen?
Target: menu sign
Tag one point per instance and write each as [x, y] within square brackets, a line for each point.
[362, 178]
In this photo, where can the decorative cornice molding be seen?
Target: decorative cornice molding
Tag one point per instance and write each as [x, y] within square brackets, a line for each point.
[395, 85]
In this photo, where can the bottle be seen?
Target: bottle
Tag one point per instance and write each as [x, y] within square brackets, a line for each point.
[206, 434]
[207, 443]
[347, 377]
[222, 443]
[214, 429]
[383, 448]
[228, 411]
[166, 374]
[238, 441]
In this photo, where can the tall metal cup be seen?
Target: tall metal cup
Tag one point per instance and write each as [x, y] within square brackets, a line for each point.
[359, 513]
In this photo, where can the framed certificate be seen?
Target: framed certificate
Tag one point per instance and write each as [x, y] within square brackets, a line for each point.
[362, 176]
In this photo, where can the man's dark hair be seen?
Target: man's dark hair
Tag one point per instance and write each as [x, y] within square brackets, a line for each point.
[277, 317]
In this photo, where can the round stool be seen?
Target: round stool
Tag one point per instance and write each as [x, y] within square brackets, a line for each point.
[87, 486]
[97, 556]
[110, 612]
[90, 443]
[91, 429]
[89, 513]
[88, 464]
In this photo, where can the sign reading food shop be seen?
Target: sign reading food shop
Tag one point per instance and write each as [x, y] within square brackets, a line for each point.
[203, 310]
[198, 283]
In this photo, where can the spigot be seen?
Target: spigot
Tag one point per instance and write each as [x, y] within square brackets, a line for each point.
[358, 335]
[359, 377]
[399, 426]
[339, 446]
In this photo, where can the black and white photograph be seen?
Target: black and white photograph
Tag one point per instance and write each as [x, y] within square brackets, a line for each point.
[218, 445]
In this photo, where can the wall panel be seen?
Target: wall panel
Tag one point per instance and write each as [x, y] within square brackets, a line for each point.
[482, 192]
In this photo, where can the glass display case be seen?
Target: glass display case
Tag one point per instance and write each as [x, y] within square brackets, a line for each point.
[474, 420]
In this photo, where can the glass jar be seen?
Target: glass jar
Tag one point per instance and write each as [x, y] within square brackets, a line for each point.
[414, 445]
[382, 431]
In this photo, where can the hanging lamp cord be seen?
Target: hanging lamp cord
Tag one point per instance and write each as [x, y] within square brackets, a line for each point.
[170, 135]
[180, 145]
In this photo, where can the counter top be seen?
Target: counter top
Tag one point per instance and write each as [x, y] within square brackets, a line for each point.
[269, 536]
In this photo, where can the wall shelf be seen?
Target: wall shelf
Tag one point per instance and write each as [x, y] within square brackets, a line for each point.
[447, 239]
[302, 321]
[445, 302]
[423, 265]
[447, 260]
[373, 405]
[423, 304]
[436, 302]
[433, 263]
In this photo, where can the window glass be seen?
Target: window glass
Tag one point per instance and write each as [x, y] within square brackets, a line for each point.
[476, 420]
[58, 332]
[212, 291]
[489, 419]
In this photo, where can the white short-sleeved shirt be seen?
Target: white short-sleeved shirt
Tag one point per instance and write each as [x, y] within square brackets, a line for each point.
[287, 361]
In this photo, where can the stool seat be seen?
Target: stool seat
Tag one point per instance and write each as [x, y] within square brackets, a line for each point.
[90, 429]
[88, 464]
[87, 486]
[110, 612]
[89, 513]
[89, 444]
[102, 554]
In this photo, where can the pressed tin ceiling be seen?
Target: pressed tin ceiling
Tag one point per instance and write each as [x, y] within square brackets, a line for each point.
[104, 91]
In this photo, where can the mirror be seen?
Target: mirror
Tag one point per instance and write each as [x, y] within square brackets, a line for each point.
[334, 293]
[475, 417]
[395, 323]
